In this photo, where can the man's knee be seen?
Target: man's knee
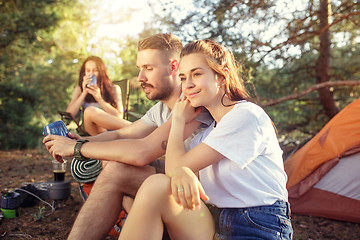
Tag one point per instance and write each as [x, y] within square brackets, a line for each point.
[113, 173]
[124, 178]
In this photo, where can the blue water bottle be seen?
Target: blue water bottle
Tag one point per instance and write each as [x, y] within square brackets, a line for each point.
[56, 128]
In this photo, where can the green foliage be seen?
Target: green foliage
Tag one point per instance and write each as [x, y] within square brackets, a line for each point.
[127, 68]
[139, 103]
[305, 116]
[40, 214]
[42, 47]
[279, 44]
[35, 73]
[17, 108]
[346, 66]
[44, 42]
[23, 18]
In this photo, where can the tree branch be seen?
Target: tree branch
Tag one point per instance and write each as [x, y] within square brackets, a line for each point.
[309, 90]
[300, 38]
[338, 20]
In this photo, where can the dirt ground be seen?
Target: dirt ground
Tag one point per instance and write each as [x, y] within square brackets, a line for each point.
[18, 167]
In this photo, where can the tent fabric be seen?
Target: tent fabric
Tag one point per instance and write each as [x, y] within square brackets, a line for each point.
[323, 175]
[320, 203]
[309, 181]
[340, 133]
[347, 174]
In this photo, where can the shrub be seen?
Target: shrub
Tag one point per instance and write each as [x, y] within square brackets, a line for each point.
[17, 108]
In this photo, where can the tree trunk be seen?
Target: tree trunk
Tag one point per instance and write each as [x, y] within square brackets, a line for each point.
[323, 62]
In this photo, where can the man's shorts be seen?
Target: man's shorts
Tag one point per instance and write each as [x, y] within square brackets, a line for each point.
[159, 166]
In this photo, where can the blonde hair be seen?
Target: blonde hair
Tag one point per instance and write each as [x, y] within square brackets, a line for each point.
[223, 63]
[168, 43]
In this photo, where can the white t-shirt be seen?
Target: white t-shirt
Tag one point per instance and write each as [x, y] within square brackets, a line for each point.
[157, 115]
[160, 113]
[252, 171]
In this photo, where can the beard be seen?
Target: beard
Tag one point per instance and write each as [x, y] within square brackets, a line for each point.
[159, 93]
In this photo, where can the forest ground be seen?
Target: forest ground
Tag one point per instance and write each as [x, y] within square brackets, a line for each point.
[18, 167]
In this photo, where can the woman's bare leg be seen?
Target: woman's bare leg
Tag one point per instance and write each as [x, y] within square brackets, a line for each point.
[154, 205]
[97, 121]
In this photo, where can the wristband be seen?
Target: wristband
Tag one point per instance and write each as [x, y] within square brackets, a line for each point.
[77, 153]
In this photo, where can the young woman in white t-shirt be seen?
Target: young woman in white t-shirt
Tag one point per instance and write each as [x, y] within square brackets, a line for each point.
[237, 161]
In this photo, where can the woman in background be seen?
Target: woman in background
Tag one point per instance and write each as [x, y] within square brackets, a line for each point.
[235, 165]
[101, 102]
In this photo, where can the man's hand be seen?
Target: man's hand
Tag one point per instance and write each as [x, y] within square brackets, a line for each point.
[74, 135]
[59, 146]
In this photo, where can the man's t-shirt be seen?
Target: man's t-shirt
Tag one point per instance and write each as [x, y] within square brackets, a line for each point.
[160, 113]
[157, 115]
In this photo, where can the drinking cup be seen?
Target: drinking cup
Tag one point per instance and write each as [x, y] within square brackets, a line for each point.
[59, 170]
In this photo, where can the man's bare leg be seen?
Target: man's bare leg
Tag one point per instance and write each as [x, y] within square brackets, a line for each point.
[103, 206]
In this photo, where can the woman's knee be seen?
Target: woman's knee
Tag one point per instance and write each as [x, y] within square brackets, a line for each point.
[90, 111]
[156, 186]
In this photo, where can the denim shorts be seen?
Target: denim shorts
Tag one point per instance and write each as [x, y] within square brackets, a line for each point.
[262, 222]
